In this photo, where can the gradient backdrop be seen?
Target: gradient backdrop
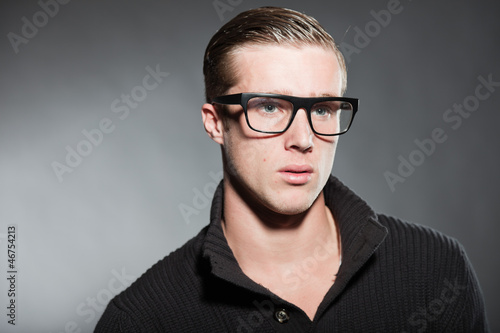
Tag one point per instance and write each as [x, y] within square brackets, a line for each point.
[105, 168]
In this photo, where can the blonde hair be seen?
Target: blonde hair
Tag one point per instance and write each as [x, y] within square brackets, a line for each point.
[265, 25]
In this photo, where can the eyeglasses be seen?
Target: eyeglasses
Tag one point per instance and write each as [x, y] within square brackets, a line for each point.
[273, 114]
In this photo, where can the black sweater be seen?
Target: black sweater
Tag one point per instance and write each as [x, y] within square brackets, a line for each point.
[395, 277]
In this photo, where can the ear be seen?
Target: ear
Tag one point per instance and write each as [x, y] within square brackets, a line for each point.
[212, 121]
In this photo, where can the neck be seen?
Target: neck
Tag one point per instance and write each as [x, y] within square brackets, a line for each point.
[265, 241]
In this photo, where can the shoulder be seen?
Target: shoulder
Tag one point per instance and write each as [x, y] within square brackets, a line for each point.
[427, 249]
[416, 237]
[434, 270]
[167, 276]
[163, 291]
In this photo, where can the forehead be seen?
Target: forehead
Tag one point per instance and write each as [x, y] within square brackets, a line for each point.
[292, 70]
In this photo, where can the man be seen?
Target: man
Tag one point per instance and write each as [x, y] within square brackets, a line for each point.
[289, 248]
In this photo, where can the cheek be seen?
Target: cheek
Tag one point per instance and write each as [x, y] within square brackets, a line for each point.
[248, 147]
[329, 155]
[244, 155]
[256, 154]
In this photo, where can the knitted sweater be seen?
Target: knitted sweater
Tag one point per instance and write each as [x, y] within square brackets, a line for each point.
[395, 277]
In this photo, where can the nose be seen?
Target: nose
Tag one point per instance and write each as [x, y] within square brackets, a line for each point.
[299, 135]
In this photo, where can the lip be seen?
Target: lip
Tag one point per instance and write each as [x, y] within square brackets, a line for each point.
[296, 174]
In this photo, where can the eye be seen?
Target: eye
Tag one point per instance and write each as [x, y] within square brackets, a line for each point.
[269, 108]
[322, 111]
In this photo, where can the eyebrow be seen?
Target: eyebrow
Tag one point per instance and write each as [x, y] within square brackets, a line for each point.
[289, 93]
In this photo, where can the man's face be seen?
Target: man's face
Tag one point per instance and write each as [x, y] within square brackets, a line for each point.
[282, 172]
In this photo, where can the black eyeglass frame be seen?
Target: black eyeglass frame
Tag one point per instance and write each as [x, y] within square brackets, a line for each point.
[297, 102]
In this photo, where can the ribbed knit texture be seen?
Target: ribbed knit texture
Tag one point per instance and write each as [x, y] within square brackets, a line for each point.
[395, 277]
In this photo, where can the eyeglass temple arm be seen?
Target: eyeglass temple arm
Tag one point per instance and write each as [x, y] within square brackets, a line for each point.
[228, 99]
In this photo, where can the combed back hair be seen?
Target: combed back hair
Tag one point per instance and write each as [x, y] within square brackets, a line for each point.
[260, 26]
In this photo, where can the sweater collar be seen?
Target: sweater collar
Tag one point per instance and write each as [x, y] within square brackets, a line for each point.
[360, 235]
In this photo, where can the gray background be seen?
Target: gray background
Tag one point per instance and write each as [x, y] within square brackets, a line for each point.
[119, 210]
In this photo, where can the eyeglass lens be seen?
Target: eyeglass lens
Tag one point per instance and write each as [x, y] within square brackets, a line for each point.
[273, 115]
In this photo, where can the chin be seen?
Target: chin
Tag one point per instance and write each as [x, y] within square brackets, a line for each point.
[292, 205]
[295, 210]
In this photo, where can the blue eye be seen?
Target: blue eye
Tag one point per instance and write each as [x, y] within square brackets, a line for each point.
[322, 111]
[270, 108]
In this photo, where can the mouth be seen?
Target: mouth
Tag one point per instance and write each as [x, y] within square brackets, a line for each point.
[296, 174]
